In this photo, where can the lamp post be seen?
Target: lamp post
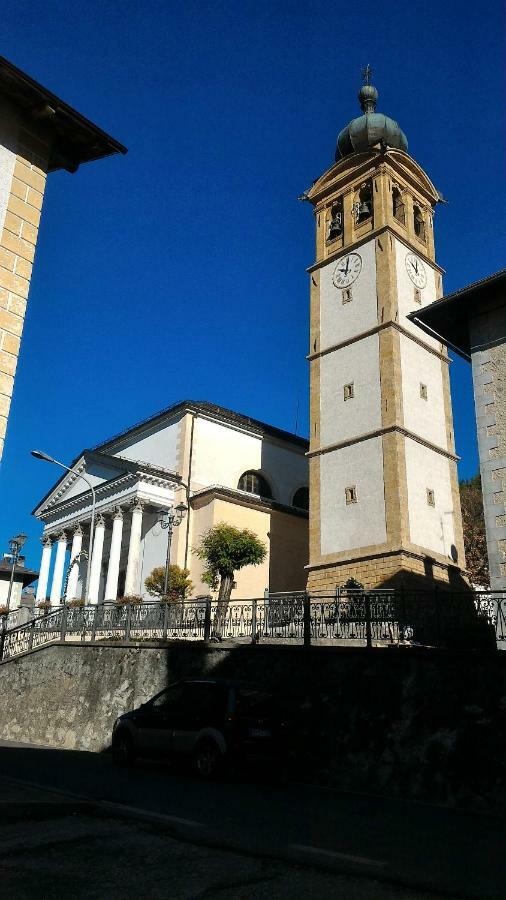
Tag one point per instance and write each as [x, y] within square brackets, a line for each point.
[15, 545]
[38, 454]
[170, 519]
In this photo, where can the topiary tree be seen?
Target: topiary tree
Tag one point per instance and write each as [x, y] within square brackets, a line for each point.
[179, 583]
[225, 550]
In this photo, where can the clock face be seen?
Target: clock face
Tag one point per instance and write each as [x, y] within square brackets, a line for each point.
[347, 270]
[416, 270]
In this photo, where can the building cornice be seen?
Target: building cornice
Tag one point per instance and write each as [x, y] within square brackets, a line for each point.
[375, 330]
[374, 233]
[242, 498]
[369, 435]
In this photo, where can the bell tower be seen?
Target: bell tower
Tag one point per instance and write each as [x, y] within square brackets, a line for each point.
[384, 500]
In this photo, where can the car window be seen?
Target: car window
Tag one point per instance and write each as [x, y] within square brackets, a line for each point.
[205, 700]
[252, 702]
[169, 699]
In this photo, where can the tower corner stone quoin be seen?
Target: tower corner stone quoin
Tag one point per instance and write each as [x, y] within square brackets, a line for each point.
[39, 134]
[385, 506]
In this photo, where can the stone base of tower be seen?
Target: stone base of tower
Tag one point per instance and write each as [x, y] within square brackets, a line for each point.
[389, 570]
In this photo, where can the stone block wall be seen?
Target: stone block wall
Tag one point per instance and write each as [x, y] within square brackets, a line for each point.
[419, 724]
[23, 166]
[488, 349]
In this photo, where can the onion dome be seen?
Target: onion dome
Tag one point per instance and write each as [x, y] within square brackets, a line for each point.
[371, 128]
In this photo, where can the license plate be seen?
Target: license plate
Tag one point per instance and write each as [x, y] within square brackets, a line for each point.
[259, 732]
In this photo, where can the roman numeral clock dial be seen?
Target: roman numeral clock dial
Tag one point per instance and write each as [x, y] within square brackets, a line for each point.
[347, 270]
[416, 270]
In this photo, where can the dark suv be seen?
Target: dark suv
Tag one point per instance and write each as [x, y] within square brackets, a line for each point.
[211, 721]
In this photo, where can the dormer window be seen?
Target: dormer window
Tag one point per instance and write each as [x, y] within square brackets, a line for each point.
[363, 206]
[419, 223]
[398, 208]
[335, 228]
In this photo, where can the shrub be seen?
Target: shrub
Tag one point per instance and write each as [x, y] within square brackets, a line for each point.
[4, 610]
[76, 602]
[129, 598]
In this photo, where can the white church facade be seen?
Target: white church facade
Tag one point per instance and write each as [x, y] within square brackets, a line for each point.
[224, 466]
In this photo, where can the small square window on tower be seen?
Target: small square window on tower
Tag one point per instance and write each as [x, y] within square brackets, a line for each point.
[347, 295]
[418, 296]
[350, 494]
[349, 391]
[423, 391]
[430, 497]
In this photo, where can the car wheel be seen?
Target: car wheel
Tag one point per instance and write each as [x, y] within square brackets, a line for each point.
[207, 760]
[123, 752]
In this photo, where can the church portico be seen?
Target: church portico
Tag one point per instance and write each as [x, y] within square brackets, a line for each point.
[126, 513]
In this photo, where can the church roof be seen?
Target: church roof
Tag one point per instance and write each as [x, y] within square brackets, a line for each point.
[371, 128]
[74, 139]
[221, 413]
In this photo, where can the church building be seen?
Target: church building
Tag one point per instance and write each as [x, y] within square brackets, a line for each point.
[385, 505]
[224, 466]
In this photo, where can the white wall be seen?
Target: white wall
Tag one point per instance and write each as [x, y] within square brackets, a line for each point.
[357, 363]
[427, 469]
[406, 293]
[96, 474]
[348, 527]
[157, 446]
[340, 321]
[424, 417]
[222, 454]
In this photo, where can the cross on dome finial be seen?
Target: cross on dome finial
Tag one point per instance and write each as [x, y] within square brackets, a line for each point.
[368, 93]
[367, 74]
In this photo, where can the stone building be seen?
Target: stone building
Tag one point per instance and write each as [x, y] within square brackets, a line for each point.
[472, 321]
[385, 505]
[39, 134]
[224, 466]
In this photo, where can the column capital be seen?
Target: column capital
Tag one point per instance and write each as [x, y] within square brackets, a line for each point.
[100, 521]
[117, 512]
[46, 540]
[61, 536]
[138, 504]
[78, 529]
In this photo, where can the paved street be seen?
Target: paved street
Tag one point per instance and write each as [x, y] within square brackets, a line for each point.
[195, 827]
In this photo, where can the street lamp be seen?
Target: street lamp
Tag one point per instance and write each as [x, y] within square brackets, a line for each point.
[15, 545]
[38, 454]
[170, 519]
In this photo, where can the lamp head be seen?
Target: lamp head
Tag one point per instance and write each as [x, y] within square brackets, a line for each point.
[16, 543]
[38, 454]
[182, 509]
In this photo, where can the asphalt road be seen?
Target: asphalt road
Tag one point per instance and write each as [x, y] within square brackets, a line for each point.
[426, 847]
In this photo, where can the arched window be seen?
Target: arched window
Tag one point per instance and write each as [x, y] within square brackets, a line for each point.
[419, 223]
[335, 228]
[364, 204]
[254, 483]
[398, 206]
[301, 498]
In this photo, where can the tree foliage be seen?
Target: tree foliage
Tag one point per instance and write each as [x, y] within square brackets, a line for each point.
[473, 521]
[225, 550]
[180, 585]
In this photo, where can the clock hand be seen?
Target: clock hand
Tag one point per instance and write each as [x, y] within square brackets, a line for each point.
[347, 265]
[416, 266]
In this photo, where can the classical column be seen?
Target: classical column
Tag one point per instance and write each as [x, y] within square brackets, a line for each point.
[134, 550]
[111, 587]
[77, 542]
[96, 561]
[59, 565]
[47, 544]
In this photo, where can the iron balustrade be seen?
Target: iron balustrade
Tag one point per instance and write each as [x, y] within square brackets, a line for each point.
[345, 617]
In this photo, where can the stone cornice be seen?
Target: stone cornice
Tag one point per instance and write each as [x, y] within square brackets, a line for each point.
[369, 435]
[242, 498]
[375, 330]
[376, 232]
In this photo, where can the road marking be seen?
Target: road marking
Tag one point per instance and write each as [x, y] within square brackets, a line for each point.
[334, 854]
[147, 813]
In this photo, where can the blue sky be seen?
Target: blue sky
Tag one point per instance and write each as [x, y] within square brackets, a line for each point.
[178, 271]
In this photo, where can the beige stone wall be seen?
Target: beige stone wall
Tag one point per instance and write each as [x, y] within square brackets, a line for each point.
[285, 536]
[17, 249]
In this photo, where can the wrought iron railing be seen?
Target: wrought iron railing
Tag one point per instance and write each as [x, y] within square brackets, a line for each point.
[374, 618]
